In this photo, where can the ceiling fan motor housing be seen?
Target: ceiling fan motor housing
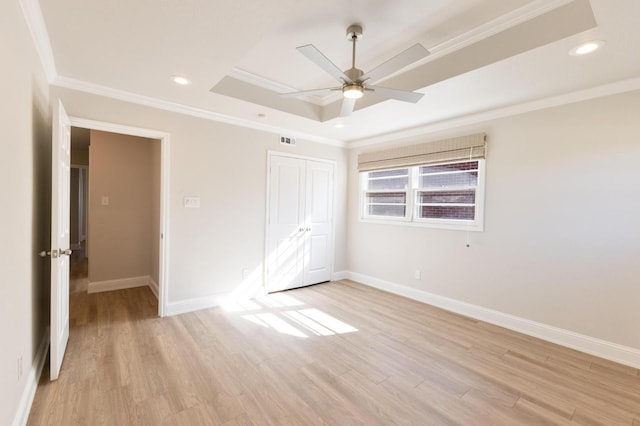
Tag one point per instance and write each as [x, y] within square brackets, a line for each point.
[354, 32]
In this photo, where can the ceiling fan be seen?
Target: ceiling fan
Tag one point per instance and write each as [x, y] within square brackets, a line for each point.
[354, 82]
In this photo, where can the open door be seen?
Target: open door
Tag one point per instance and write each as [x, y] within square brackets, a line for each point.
[60, 181]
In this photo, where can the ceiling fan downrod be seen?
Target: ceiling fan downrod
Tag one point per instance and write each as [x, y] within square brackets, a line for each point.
[354, 33]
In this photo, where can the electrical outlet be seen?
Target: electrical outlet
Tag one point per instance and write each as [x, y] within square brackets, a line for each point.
[417, 274]
[19, 367]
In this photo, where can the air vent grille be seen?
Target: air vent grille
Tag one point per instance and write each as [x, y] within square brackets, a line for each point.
[287, 140]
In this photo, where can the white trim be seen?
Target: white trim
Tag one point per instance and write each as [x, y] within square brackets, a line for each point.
[122, 95]
[590, 345]
[119, 284]
[340, 275]
[35, 21]
[153, 285]
[26, 400]
[482, 117]
[196, 304]
[165, 141]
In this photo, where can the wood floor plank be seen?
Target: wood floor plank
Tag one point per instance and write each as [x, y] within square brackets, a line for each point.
[337, 353]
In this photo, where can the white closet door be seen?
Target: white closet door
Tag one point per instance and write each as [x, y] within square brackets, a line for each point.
[318, 222]
[300, 229]
[285, 256]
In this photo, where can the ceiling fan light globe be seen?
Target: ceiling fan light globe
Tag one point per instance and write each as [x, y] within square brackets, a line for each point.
[352, 91]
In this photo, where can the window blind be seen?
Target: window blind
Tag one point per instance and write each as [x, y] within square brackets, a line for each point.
[461, 148]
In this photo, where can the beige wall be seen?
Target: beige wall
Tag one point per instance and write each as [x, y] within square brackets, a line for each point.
[119, 236]
[561, 241]
[79, 156]
[225, 166]
[25, 170]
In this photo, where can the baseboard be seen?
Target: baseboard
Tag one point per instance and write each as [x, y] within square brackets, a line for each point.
[153, 285]
[190, 305]
[340, 275]
[119, 284]
[24, 407]
[600, 348]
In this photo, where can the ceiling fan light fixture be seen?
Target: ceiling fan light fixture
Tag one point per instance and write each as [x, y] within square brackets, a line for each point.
[352, 91]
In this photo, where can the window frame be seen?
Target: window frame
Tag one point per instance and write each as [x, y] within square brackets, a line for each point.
[412, 192]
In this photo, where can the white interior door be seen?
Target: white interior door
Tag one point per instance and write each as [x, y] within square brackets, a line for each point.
[285, 248]
[60, 191]
[319, 222]
[300, 227]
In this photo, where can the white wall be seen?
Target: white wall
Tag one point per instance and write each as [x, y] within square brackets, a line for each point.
[561, 244]
[25, 170]
[225, 166]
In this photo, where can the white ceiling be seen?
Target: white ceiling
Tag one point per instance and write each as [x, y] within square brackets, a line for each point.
[486, 54]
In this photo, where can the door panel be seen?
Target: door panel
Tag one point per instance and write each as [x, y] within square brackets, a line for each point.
[319, 207]
[300, 223]
[285, 257]
[60, 222]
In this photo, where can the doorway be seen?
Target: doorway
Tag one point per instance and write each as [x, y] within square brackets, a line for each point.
[159, 251]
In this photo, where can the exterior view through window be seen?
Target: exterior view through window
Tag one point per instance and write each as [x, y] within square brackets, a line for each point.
[448, 195]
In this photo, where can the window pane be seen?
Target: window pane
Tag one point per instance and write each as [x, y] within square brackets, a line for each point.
[450, 179]
[388, 179]
[386, 197]
[387, 210]
[387, 173]
[447, 212]
[454, 197]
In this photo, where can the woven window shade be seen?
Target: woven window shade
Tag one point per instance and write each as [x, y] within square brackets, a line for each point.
[461, 148]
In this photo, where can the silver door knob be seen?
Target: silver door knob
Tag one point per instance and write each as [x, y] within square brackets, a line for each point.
[66, 252]
[44, 253]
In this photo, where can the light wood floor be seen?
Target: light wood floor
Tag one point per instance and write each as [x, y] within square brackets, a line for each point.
[336, 354]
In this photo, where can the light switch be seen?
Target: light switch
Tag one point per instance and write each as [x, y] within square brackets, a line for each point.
[191, 202]
[105, 200]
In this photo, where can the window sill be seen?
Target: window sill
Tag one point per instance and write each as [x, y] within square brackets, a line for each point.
[471, 227]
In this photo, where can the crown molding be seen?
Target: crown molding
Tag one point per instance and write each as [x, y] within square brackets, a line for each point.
[122, 95]
[35, 21]
[481, 117]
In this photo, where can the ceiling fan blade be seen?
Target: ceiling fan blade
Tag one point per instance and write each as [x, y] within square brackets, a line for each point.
[399, 95]
[309, 92]
[315, 56]
[347, 107]
[401, 60]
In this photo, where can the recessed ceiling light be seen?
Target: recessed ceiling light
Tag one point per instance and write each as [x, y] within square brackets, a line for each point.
[586, 48]
[338, 125]
[183, 81]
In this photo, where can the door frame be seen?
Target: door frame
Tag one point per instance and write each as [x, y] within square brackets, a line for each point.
[270, 155]
[165, 139]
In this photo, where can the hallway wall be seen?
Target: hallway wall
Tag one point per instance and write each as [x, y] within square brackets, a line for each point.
[119, 233]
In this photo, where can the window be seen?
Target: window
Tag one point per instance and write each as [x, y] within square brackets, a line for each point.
[446, 195]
